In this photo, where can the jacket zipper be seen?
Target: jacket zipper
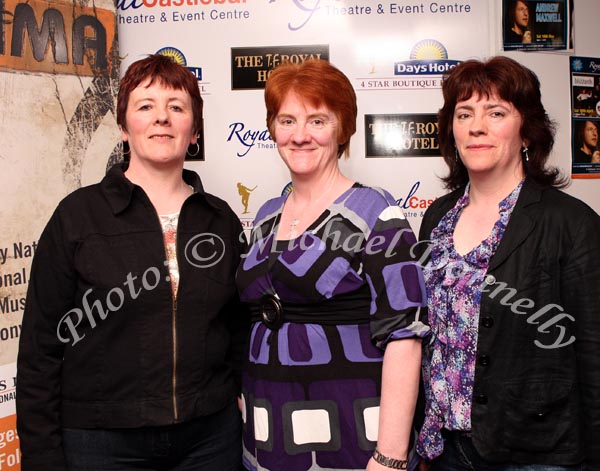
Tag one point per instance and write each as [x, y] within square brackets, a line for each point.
[174, 379]
[173, 316]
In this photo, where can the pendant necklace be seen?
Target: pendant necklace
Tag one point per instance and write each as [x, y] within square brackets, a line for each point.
[292, 233]
[293, 225]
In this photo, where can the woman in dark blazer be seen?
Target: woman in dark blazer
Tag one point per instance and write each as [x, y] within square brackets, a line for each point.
[512, 369]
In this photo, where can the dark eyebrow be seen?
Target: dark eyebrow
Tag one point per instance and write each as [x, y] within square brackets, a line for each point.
[463, 107]
[496, 105]
[487, 107]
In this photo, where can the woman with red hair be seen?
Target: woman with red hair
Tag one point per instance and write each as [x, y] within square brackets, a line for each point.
[333, 363]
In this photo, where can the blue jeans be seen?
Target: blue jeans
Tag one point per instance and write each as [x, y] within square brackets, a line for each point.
[460, 455]
[211, 443]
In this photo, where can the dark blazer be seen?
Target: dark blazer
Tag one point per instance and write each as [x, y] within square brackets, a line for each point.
[536, 397]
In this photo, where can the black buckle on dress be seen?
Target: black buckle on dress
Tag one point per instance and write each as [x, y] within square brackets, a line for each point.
[271, 311]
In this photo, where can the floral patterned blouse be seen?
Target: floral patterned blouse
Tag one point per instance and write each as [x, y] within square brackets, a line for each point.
[169, 227]
[453, 284]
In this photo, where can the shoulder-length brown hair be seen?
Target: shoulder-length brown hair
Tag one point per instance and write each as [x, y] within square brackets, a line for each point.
[167, 72]
[512, 82]
[319, 83]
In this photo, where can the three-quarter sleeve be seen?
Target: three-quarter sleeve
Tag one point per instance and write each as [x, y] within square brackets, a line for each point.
[395, 279]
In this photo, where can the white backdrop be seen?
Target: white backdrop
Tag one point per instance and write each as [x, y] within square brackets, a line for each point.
[365, 39]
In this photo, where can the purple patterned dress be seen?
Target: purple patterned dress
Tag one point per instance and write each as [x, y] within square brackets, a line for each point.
[348, 286]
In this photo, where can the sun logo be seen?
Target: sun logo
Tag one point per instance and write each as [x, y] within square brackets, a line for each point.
[428, 49]
[174, 54]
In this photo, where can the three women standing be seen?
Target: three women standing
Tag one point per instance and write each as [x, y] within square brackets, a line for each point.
[145, 377]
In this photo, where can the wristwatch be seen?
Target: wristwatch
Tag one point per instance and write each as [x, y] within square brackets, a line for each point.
[389, 462]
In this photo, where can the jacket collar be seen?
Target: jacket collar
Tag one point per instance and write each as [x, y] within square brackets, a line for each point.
[521, 223]
[119, 191]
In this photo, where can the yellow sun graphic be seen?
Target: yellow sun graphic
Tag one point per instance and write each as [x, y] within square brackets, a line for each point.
[428, 49]
[174, 54]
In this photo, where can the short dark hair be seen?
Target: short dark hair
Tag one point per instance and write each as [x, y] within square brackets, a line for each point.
[514, 83]
[168, 73]
[318, 82]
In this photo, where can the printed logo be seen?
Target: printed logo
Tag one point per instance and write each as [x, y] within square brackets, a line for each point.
[179, 58]
[306, 9]
[401, 135]
[135, 4]
[244, 193]
[239, 132]
[251, 66]
[577, 65]
[428, 61]
[427, 57]
[412, 202]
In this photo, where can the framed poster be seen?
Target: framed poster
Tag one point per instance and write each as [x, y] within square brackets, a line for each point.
[536, 24]
[585, 116]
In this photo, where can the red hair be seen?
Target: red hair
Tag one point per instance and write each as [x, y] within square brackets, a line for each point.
[319, 83]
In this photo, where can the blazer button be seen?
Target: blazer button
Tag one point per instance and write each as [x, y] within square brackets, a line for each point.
[484, 360]
[490, 280]
[481, 399]
[487, 322]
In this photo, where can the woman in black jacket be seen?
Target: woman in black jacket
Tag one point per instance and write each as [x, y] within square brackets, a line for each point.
[130, 353]
[512, 370]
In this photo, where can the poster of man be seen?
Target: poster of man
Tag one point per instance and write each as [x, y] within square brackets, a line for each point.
[585, 116]
[536, 24]
[585, 148]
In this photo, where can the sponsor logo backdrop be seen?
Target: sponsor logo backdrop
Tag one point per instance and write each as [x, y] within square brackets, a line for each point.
[394, 54]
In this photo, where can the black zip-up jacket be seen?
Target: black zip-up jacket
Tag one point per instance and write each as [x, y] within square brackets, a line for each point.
[104, 342]
[536, 396]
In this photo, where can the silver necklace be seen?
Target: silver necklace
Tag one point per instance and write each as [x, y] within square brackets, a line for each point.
[292, 233]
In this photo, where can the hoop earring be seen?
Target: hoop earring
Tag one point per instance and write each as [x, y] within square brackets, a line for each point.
[197, 150]
[525, 151]
[123, 151]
